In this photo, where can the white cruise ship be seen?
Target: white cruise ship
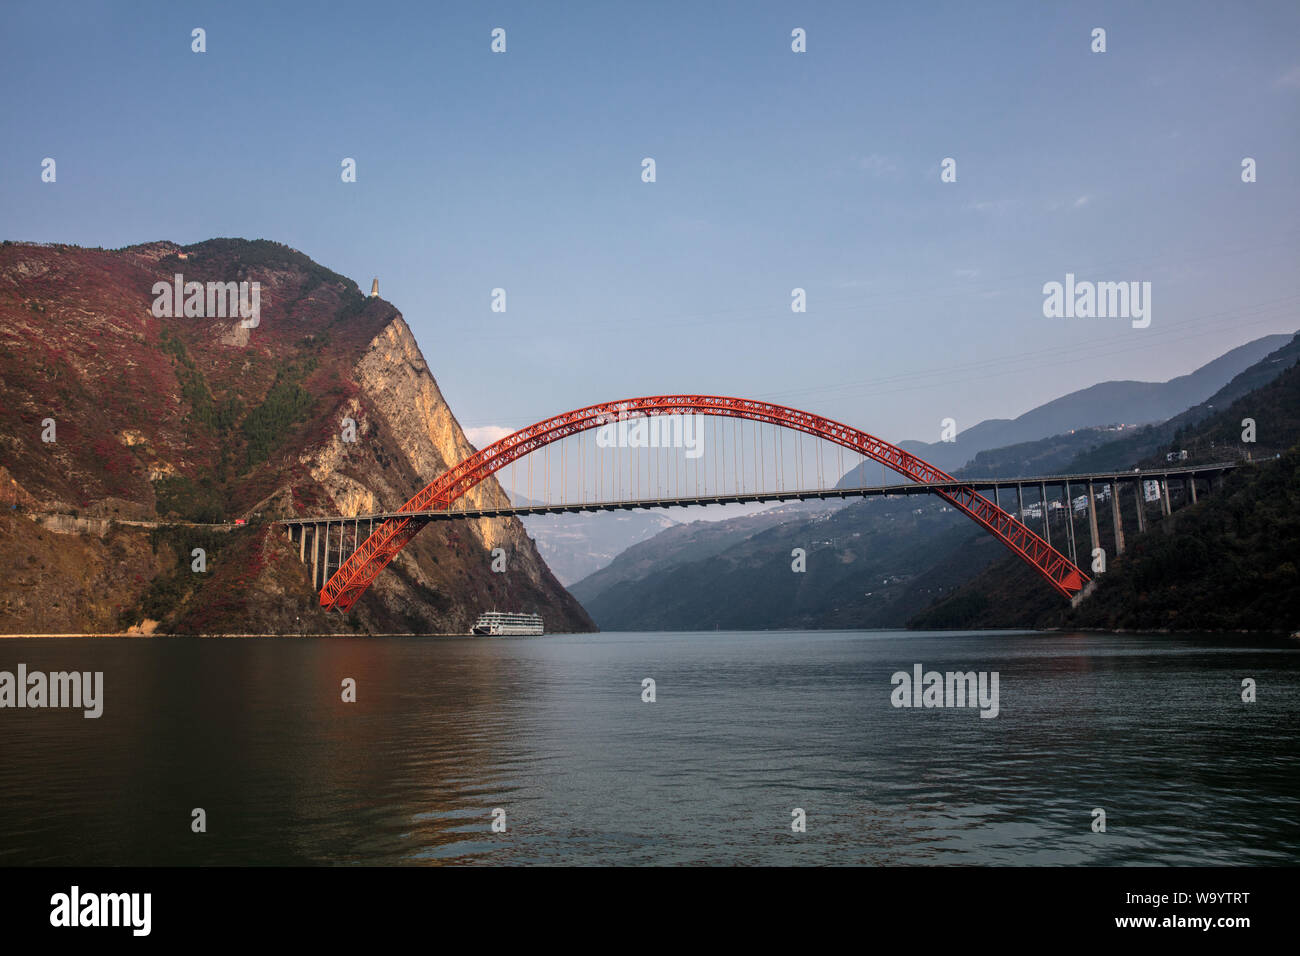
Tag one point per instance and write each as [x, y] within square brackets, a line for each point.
[506, 624]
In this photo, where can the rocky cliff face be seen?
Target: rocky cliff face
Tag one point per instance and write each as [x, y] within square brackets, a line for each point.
[203, 419]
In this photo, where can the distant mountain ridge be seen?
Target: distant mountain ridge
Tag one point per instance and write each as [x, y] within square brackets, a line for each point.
[1182, 428]
[578, 545]
[871, 564]
[1106, 403]
[1109, 448]
[681, 543]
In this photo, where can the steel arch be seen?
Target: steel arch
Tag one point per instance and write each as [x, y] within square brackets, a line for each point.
[350, 581]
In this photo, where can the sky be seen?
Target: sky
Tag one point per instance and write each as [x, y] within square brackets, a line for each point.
[774, 170]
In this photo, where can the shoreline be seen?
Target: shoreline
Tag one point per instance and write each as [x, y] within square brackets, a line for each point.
[122, 634]
[1295, 636]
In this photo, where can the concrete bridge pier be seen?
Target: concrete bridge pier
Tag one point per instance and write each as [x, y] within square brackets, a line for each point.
[326, 547]
[1115, 515]
[325, 556]
[1069, 526]
[1095, 536]
[315, 556]
[1047, 524]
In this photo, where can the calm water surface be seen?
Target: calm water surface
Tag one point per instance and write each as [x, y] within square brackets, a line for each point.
[746, 727]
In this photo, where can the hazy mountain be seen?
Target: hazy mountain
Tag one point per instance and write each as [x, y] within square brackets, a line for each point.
[577, 545]
[682, 543]
[871, 564]
[1107, 403]
[1116, 447]
[1125, 451]
[1046, 456]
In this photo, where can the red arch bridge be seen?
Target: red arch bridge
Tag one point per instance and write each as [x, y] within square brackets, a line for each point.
[747, 451]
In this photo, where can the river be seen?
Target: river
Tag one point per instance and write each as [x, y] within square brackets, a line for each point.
[551, 738]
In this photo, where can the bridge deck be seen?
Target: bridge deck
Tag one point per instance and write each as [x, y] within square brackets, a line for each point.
[866, 491]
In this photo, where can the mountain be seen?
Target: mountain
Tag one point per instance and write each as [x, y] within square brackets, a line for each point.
[873, 563]
[1046, 456]
[161, 422]
[577, 545]
[1181, 430]
[1107, 403]
[1115, 447]
[1228, 562]
[882, 562]
[682, 543]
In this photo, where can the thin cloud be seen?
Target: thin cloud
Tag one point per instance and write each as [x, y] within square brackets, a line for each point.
[878, 165]
[485, 435]
[1077, 203]
[991, 205]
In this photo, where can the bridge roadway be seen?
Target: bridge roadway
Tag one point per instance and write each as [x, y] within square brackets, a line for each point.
[1186, 473]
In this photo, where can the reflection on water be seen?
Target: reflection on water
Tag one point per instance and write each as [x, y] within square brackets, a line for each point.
[746, 727]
